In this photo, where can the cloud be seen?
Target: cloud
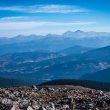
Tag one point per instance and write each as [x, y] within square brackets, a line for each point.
[19, 25]
[44, 9]
[12, 18]
[69, 23]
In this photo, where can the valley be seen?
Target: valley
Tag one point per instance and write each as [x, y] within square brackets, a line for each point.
[53, 57]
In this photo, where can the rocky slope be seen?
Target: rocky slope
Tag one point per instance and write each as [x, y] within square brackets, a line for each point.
[53, 98]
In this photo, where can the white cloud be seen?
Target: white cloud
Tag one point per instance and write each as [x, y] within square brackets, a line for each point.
[18, 25]
[44, 9]
[12, 18]
[8, 25]
[68, 23]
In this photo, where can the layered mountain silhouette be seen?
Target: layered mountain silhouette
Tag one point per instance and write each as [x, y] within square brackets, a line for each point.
[75, 50]
[72, 55]
[38, 67]
[53, 42]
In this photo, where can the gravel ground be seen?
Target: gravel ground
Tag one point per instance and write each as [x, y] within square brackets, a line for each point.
[53, 98]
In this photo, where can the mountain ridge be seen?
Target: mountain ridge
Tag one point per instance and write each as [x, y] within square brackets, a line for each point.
[103, 75]
[53, 42]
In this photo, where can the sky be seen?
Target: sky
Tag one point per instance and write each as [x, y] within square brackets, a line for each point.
[53, 16]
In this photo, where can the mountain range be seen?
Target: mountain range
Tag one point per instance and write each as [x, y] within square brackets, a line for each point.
[37, 67]
[53, 42]
[72, 55]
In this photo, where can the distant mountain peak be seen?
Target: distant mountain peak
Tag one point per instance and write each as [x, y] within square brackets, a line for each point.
[68, 33]
[79, 31]
[77, 34]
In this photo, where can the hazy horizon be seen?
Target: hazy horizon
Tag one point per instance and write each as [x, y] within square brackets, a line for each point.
[59, 34]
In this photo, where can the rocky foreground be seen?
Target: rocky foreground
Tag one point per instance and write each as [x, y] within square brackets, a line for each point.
[53, 98]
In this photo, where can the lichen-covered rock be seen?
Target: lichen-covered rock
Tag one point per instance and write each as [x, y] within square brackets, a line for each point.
[6, 101]
[53, 98]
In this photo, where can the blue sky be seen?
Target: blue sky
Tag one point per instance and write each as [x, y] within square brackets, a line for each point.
[53, 16]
